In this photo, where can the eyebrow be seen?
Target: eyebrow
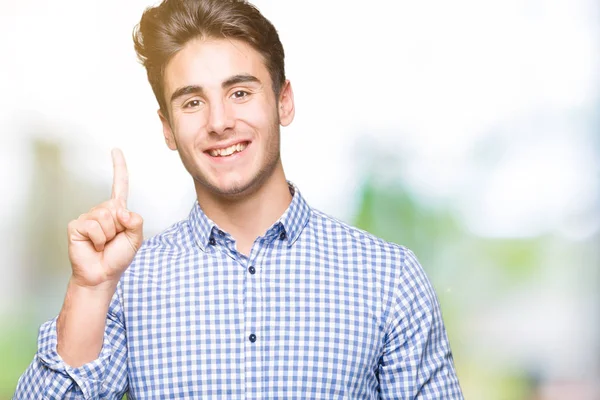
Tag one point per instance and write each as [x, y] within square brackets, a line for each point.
[234, 80]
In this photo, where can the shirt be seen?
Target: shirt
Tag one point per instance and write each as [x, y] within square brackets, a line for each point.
[318, 310]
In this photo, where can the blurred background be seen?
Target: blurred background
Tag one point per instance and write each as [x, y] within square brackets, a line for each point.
[468, 131]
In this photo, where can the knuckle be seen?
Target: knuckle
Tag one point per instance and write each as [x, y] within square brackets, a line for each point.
[104, 213]
[91, 224]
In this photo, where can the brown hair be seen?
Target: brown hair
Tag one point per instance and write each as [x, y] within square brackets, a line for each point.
[165, 29]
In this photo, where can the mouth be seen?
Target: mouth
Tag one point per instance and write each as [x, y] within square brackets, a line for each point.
[227, 152]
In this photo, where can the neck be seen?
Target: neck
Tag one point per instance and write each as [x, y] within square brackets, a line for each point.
[248, 216]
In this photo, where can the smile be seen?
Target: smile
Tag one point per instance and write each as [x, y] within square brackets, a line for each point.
[236, 148]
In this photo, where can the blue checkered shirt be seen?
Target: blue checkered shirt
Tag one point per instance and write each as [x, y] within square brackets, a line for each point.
[319, 310]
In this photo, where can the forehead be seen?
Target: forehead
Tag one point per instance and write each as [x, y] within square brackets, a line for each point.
[209, 62]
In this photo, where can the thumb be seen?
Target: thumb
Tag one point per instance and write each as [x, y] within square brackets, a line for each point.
[134, 226]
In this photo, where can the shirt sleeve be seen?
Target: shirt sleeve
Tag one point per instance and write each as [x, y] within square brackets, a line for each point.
[49, 377]
[417, 361]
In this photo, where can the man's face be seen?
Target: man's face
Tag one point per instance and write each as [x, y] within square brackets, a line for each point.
[224, 116]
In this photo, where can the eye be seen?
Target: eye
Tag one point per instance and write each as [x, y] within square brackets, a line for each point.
[240, 94]
[192, 104]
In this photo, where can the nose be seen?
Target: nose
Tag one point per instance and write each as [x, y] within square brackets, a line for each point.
[220, 118]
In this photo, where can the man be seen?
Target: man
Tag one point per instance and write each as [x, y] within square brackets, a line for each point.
[255, 295]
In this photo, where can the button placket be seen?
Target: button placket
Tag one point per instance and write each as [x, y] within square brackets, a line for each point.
[254, 308]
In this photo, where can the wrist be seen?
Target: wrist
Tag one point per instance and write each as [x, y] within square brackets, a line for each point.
[105, 288]
[96, 297]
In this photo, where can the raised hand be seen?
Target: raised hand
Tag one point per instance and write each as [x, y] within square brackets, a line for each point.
[103, 242]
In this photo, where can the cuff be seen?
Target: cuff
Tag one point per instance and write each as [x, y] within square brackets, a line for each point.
[88, 377]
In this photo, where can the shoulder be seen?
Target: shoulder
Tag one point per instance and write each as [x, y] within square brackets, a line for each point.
[395, 266]
[175, 237]
[343, 234]
[171, 242]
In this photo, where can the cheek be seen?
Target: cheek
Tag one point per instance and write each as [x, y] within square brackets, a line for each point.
[188, 127]
[261, 125]
[257, 113]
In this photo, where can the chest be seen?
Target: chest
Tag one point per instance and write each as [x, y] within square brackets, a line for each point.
[263, 328]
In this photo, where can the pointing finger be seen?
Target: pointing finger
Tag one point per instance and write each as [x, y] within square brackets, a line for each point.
[120, 187]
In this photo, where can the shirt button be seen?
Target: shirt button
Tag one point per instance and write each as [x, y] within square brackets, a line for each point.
[252, 337]
[252, 270]
[282, 236]
[212, 241]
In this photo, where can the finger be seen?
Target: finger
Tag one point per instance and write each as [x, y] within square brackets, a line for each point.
[106, 220]
[134, 227]
[91, 229]
[120, 187]
[112, 206]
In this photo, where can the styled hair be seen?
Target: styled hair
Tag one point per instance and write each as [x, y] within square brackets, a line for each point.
[165, 29]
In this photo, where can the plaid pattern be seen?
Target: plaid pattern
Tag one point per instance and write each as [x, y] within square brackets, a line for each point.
[319, 310]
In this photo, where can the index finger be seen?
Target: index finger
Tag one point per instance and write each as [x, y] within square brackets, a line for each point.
[120, 188]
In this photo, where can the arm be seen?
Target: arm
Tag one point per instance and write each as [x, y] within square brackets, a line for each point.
[104, 376]
[82, 354]
[417, 362]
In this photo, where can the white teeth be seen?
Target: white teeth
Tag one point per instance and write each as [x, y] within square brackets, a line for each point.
[228, 151]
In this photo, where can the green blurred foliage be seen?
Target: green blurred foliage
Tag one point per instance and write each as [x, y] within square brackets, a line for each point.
[17, 347]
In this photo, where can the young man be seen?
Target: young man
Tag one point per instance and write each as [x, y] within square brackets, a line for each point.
[255, 295]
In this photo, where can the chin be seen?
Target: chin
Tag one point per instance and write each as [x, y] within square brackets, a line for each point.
[232, 189]
[236, 185]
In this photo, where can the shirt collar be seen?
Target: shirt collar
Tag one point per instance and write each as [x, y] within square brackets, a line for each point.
[289, 225]
[295, 218]
[201, 226]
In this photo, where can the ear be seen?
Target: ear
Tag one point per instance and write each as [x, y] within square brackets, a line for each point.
[286, 104]
[167, 131]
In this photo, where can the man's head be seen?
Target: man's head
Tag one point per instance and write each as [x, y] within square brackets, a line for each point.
[217, 70]
[164, 30]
